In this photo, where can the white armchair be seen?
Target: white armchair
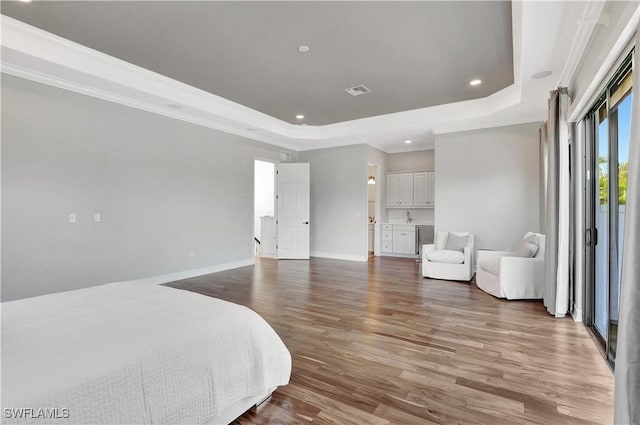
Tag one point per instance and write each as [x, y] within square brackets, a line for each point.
[503, 274]
[440, 261]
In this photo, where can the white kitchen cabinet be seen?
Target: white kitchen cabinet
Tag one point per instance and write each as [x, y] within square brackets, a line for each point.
[399, 190]
[404, 239]
[424, 189]
[386, 238]
[398, 239]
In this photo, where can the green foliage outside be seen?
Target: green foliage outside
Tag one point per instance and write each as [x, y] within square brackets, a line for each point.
[623, 170]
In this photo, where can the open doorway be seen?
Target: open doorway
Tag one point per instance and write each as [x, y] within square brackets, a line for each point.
[264, 209]
[372, 199]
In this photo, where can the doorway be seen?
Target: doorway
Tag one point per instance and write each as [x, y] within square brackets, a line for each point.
[264, 209]
[608, 135]
[373, 190]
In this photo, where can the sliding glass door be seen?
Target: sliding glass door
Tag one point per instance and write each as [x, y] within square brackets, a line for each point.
[608, 135]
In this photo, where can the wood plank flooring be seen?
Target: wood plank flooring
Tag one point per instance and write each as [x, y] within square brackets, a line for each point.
[375, 343]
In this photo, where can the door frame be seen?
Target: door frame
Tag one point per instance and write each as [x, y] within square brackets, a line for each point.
[377, 243]
[592, 188]
[275, 190]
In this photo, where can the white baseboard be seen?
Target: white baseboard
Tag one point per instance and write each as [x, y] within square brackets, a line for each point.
[391, 254]
[171, 277]
[333, 255]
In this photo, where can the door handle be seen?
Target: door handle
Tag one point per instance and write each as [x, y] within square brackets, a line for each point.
[306, 222]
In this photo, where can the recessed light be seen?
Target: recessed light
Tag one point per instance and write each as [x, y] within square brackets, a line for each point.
[303, 49]
[408, 141]
[174, 106]
[300, 117]
[475, 82]
[541, 74]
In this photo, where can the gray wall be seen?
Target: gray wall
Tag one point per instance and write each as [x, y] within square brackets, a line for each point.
[164, 188]
[488, 184]
[408, 161]
[338, 201]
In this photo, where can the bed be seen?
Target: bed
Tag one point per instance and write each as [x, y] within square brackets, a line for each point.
[135, 353]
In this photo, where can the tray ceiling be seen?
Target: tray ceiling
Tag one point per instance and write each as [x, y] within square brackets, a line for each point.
[411, 55]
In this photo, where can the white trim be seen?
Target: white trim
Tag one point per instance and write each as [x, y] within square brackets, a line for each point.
[112, 96]
[335, 256]
[172, 277]
[409, 256]
[590, 19]
[599, 79]
[31, 53]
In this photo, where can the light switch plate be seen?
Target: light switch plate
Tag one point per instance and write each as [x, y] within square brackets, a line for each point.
[97, 217]
[72, 218]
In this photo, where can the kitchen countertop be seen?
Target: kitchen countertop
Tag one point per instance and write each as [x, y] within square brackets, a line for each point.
[415, 223]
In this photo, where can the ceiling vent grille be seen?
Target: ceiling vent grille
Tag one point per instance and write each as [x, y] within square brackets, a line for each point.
[358, 90]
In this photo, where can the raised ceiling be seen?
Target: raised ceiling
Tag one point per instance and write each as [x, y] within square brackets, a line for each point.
[410, 54]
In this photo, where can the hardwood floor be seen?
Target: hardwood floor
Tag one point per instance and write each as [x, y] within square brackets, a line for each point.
[375, 343]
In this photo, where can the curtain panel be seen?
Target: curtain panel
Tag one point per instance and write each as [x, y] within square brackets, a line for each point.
[556, 218]
[627, 373]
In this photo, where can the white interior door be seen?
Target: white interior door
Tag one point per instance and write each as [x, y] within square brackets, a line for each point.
[292, 216]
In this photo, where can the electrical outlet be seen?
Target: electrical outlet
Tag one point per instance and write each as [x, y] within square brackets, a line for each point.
[72, 218]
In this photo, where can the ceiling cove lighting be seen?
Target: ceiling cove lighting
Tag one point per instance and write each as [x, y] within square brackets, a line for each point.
[303, 49]
[408, 142]
[475, 82]
[300, 117]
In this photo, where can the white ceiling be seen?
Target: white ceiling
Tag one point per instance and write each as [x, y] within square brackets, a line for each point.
[545, 36]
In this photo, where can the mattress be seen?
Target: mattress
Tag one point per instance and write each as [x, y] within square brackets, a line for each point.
[133, 352]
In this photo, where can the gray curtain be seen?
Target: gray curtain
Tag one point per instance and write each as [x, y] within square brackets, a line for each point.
[542, 133]
[556, 217]
[551, 211]
[627, 383]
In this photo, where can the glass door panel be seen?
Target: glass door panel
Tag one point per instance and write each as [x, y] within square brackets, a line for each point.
[609, 125]
[622, 137]
[602, 223]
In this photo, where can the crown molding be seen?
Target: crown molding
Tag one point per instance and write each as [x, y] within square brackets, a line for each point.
[31, 53]
[580, 105]
[590, 19]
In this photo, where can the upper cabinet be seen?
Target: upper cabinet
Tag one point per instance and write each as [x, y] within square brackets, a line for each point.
[399, 190]
[410, 190]
[424, 184]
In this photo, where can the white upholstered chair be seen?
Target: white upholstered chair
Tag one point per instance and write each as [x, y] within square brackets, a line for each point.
[504, 274]
[449, 258]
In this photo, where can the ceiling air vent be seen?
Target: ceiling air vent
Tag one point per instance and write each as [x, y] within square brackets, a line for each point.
[358, 90]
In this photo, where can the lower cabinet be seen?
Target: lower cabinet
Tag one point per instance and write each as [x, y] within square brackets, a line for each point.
[386, 237]
[398, 239]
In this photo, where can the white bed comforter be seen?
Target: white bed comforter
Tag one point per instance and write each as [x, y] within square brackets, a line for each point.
[135, 352]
